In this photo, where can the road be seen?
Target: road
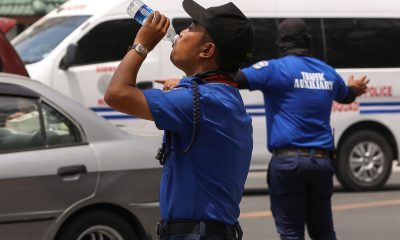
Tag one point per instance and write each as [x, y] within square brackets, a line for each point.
[357, 216]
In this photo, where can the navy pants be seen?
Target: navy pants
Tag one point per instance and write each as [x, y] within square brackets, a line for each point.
[300, 190]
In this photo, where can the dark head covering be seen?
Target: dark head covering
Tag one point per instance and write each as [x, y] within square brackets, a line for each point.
[293, 38]
[231, 30]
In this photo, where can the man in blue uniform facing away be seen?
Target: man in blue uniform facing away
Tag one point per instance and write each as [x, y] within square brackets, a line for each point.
[208, 134]
[298, 92]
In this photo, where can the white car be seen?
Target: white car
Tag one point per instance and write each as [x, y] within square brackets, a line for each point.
[68, 174]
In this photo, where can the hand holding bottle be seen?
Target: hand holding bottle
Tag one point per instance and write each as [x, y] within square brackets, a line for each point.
[140, 11]
[152, 31]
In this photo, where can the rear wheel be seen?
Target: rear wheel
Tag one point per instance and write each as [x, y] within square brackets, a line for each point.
[97, 225]
[364, 161]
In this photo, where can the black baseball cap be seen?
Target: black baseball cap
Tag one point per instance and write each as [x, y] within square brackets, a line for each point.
[231, 30]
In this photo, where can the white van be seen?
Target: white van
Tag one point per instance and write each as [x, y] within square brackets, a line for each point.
[77, 47]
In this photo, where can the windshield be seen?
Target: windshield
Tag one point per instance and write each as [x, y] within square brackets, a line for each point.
[37, 43]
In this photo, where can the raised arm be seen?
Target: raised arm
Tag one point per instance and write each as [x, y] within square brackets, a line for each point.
[122, 93]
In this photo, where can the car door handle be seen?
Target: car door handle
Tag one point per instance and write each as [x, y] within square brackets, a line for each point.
[71, 170]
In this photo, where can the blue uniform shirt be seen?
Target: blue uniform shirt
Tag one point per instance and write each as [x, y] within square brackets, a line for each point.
[298, 94]
[207, 182]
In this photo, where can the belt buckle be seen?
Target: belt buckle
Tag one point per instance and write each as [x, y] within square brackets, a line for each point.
[158, 229]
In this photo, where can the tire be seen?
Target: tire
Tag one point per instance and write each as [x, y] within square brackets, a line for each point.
[96, 224]
[364, 161]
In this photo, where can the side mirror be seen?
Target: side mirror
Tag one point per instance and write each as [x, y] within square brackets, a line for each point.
[144, 85]
[70, 57]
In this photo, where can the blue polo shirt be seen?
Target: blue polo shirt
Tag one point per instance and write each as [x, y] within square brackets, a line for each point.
[298, 94]
[207, 182]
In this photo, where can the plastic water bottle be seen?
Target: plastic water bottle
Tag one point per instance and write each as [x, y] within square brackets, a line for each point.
[140, 11]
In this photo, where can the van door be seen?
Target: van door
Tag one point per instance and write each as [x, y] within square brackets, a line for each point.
[99, 52]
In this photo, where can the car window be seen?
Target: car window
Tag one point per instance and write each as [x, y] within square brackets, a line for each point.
[59, 129]
[107, 42]
[23, 127]
[19, 124]
[36, 44]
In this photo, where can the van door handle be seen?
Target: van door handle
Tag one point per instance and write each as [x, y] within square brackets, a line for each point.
[71, 170]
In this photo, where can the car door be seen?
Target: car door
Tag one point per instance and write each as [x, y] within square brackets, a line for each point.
[46, 165]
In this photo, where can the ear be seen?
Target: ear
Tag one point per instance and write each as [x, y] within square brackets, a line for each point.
[209, 50]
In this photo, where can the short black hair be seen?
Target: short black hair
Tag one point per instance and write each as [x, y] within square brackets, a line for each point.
[226, 64]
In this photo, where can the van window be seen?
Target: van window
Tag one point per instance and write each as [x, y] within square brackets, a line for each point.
[107, 42]
[363, 43]
[38, 42]
[265, 39]
[317, 39]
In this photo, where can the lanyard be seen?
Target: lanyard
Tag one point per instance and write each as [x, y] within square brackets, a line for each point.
[207, 77]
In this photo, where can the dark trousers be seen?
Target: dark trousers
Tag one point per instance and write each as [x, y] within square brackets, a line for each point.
[300, 190]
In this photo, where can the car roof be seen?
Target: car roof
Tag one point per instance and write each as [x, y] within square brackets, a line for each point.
[95, 127]
[12, 89]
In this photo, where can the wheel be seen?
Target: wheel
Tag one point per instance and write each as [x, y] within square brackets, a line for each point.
[97, 225]
[364, 161]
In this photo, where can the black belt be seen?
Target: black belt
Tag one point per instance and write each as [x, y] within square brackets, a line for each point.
[204, 228]
[306, 152]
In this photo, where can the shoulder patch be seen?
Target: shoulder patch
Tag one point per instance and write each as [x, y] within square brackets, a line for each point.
[260, 65]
